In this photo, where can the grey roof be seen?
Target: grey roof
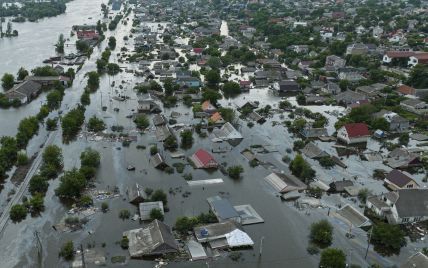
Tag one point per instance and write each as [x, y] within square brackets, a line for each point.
[157, 160]
[377, 202]
[285, 183]
[27, 87]
[412, 102]
[412, 202]
[223, 209]
[314, 132]
[340, 185]
[136, 194]
[355, 217]
[418, 260]
[349, 96]
[312, 151]
[159, 119]
[147, 207]
[155, 238]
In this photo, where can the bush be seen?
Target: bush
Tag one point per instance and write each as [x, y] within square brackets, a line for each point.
[333, 258]
[156, 214]
[153, 150]
[22, 159]
[235, 171]
[321, 233]
[18, 213]
[141, 121]
[326, 162]
[124, 243]
[104, 207]
[96, 125]
[67, 251]
[124, 214]
[312, 249]
[159, 195]
[38, 184]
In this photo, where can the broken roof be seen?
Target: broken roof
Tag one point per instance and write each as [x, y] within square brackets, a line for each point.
[153, 239]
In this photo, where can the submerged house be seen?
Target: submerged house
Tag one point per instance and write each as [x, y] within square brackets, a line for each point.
[396, 180]
[154, 239]
[136, 194]
[284, 183]
[223, 210]
[353, 133]
[228, 133]
[223, 235]
[24, 92]
[202, 159]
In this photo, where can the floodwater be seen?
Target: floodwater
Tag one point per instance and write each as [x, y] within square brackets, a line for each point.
[285, 229]
[34, 44]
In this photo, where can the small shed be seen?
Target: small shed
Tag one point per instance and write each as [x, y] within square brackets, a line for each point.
[158, 161]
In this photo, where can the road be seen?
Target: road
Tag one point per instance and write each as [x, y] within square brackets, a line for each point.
[4, 218]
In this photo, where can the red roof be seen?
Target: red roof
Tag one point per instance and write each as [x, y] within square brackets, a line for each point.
[198, 50]
[357, 130]
[400, 54]
[204, 157]
[244, 82]
[406, 90]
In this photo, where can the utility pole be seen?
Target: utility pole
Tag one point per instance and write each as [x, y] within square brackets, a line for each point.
[83, 256]
[39, 249]
[368, 243]
[261, 245]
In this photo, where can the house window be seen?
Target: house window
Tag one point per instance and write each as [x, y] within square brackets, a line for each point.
[404, 220]
[410, 186]
[417, 219]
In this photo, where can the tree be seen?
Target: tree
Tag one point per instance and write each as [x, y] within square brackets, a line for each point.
[228, 114]
[168, 85]
[235, 171]
[72, 122]
[37, 203]
[231, 88]
[141, 121]
[59, 47]
[38, 184]
[113, 68]
[7, 81]
[404, 139]
[67, 251]
[96, 125]
[22, 73]
[156, 214]
[53, 156]
[387, 239]
[112, 42]
[418, 77]
[18, 213]
[363, 194]
[82, 46]
[301, 169]
[185, 224]
[93, 80]
[321, 233]
[212, 77]
[51, 124]
[54, 99]
[170, 142]
[380, 123]
[46, 70]
[85, 99]
[186, 138]
[159, 195]
[90, 158]
[214, 62]
[333, 258]
[71, 184]
[211, 95]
